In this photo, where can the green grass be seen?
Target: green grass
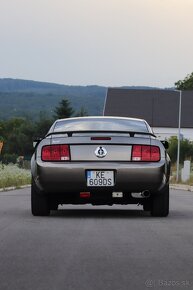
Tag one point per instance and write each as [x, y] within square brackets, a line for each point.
[11, 175]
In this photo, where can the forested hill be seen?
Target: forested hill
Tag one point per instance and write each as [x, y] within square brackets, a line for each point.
[29, 98]
[18, 85]
[25, 98]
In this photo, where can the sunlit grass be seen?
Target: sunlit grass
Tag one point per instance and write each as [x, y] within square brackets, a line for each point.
[11, 175]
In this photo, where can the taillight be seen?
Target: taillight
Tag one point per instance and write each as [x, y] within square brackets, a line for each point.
[56, 153]
[145, 153]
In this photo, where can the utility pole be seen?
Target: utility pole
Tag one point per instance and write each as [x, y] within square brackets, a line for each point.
[179, 131]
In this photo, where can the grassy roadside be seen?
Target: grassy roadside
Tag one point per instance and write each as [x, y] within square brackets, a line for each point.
[11, 175]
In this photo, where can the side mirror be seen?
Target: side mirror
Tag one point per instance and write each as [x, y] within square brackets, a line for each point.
[166, 144]
[36, 141]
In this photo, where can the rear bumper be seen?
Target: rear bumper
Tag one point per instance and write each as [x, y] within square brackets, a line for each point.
[71, 177]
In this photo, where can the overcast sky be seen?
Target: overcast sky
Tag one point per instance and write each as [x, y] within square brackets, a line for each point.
[104, 42]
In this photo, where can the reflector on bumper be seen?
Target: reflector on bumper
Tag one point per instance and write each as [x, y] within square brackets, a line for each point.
[84, 194]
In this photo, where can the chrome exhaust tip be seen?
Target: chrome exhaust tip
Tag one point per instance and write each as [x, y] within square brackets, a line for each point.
[145, 193]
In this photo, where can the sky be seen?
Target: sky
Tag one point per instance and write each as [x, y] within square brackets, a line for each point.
[101, 42]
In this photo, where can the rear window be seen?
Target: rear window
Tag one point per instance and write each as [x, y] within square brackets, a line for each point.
[103, 124]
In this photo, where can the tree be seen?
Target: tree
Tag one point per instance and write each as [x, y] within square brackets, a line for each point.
[64, 110]
[18, 133]
[81, 113]
[186, 84]
[42, 125]
[186, 149]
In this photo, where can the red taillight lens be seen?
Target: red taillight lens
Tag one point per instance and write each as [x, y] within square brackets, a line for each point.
[56, 153]
[145, 153]
[136, 153]
[155, 153]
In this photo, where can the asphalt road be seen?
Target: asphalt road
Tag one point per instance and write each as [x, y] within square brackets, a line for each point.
[91, 248]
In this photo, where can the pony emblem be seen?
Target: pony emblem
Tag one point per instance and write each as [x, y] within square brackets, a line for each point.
[100, 152]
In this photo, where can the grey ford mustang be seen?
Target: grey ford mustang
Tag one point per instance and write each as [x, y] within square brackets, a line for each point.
[100, 160]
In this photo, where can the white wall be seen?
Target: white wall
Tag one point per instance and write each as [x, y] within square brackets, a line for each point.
[165, 133]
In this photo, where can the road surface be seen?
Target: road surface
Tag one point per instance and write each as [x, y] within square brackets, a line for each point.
[92, 248]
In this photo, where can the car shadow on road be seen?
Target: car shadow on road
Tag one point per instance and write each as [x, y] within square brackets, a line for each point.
[118, 213]
[99, 213]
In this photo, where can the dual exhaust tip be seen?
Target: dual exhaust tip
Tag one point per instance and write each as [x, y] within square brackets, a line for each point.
[145, 193]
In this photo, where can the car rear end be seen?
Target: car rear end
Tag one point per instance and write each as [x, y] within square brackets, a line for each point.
[100, 166]
[132, 164]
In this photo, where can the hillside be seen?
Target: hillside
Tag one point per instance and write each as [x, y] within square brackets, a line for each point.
[29, 98]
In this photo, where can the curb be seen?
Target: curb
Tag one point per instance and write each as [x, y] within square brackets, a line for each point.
[182, 187]
[14, 187]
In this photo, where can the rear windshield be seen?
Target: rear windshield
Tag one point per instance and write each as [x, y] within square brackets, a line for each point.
[93, 124]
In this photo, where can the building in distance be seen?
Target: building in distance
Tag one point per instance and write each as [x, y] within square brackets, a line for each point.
[160, 108]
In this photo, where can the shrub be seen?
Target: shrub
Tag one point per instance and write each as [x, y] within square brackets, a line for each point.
[9, 158]
[186, 149]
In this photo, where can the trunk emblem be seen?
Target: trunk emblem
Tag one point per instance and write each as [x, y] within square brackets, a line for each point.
[100, 152]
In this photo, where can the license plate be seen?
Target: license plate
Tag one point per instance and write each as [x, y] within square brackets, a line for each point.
[100, 178]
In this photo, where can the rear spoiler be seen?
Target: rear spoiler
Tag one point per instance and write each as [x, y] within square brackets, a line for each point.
[70, 133]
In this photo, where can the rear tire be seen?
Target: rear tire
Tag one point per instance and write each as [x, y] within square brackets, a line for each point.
[39, 202]
[160, 203]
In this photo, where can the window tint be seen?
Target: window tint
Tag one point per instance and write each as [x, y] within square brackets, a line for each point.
[101, 124]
